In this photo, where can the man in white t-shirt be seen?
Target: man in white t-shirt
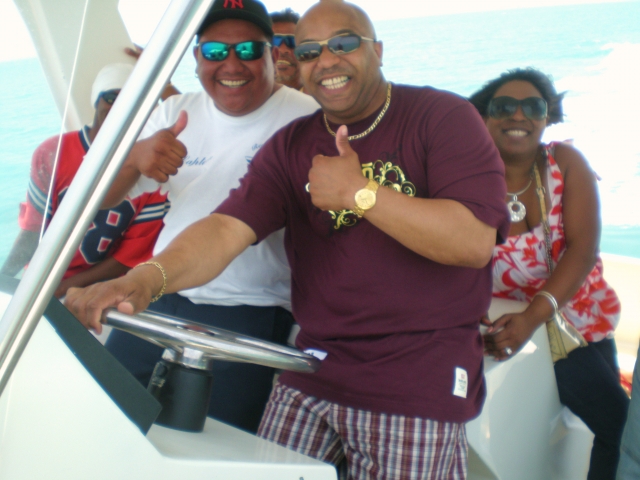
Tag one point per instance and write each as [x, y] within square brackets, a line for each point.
[199, 156]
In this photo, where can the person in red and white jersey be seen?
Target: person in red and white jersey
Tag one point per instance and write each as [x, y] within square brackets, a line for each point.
[118, 238]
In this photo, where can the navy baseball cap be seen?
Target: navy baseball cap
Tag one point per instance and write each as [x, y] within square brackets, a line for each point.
[250, 10]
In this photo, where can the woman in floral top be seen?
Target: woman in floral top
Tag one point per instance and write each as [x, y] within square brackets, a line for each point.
[517, 107]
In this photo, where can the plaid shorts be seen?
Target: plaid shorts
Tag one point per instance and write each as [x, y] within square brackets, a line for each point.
[365, 445]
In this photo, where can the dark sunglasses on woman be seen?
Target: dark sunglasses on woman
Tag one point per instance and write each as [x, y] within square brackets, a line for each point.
[288, 40]
[246, 51]
[339, 45]
[534, 108]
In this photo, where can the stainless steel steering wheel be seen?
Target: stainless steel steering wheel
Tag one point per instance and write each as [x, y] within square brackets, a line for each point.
[196, 345]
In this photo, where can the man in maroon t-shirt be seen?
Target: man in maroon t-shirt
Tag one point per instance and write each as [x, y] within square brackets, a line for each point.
[388, 284]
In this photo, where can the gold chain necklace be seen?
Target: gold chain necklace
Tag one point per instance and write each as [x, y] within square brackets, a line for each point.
[373, 125]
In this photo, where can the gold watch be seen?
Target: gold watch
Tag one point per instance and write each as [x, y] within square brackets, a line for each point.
[366, 198]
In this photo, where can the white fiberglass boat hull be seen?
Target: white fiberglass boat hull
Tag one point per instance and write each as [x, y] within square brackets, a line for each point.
[523, 432]
[57, 422]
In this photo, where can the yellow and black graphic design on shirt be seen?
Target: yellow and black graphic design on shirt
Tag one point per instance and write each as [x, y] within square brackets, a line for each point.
[387, 175]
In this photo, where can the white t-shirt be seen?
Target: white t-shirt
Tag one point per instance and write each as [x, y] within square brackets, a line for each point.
[220, 148]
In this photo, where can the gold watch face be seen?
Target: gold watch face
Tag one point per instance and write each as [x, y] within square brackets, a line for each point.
[365, 199]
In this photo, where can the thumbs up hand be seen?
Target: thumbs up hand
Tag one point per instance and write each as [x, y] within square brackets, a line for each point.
[181, 123]
[160, 155]
[342, 142]
[334, 181]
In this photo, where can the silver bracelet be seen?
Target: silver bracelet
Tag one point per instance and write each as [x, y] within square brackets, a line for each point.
[551, 298]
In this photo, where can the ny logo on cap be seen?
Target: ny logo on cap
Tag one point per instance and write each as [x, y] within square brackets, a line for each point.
[233, 4]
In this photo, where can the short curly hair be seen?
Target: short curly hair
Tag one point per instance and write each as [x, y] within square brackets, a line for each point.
[542, 82]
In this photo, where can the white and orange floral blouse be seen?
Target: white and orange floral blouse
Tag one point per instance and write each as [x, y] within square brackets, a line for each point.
[520, 270]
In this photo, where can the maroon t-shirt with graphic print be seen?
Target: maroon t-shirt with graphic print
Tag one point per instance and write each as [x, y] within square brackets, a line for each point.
[400, 331]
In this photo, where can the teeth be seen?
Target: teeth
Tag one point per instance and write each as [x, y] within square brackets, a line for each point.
[283, 62]
[335, 82]
[233, 83]
[516, 133]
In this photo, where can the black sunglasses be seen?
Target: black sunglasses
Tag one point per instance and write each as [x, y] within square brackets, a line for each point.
[246, 51]
[109, 96]
[534, 108]
[288, 40]
[339, 45]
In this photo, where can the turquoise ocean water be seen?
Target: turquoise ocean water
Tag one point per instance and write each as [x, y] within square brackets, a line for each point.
[592, 51]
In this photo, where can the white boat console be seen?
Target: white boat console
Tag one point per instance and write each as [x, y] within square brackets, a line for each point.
[69, 412]
[523, 432]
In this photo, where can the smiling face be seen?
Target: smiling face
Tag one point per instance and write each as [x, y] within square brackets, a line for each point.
[349, 87]
[287, 68]
[516, 135]
[237, 87]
